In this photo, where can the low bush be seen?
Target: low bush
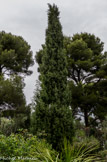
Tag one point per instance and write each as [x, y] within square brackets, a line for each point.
[18, 148]
[7, 126]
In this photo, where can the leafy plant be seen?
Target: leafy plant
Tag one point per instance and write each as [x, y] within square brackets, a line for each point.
[6, 126]
[82, 153]
[19, 148]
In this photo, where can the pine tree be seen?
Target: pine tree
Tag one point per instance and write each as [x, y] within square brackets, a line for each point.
[53, 115]
[87, 74]
[15, 55]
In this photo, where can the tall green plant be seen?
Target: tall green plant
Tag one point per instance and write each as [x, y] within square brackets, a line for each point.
[54, 63]
[52, 114]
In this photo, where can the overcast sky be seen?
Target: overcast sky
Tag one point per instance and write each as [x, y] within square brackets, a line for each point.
[28, 18]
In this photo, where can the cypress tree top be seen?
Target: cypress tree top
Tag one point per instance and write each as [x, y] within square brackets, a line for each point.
[54, 65]
[54, 35]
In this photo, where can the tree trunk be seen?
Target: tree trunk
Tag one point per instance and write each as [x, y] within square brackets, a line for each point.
[87, 128]
[86, 118]
[0, 70]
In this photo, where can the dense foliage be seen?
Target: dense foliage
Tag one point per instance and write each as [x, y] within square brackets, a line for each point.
[15, 54]
[25, 147]
[10, 90]
[20, 148]
[87, 67]
[52, 114]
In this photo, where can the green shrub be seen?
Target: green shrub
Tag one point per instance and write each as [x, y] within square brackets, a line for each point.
[20, 149]
[12, 125]
[7, 126]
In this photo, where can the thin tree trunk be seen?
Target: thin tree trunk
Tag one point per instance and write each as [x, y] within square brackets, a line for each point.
[0, 70]
[86, 118]
[87, 129]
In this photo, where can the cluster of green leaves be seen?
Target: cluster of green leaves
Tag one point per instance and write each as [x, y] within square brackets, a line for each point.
[19, 148]
[17, 121]
[58, 124]
[11, 92]
[15, 54]
[6, 126]
[80, 153]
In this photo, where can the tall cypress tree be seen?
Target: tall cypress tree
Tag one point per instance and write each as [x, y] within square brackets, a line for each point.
[54, 66]
[53, 115]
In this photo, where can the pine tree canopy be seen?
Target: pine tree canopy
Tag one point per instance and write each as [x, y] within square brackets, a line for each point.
[15, 55]
[86, 71]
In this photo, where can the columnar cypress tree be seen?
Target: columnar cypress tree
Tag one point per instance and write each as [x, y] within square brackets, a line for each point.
[54, 66]
[52, 112]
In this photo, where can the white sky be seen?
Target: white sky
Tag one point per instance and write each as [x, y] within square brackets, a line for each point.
[28, 18]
